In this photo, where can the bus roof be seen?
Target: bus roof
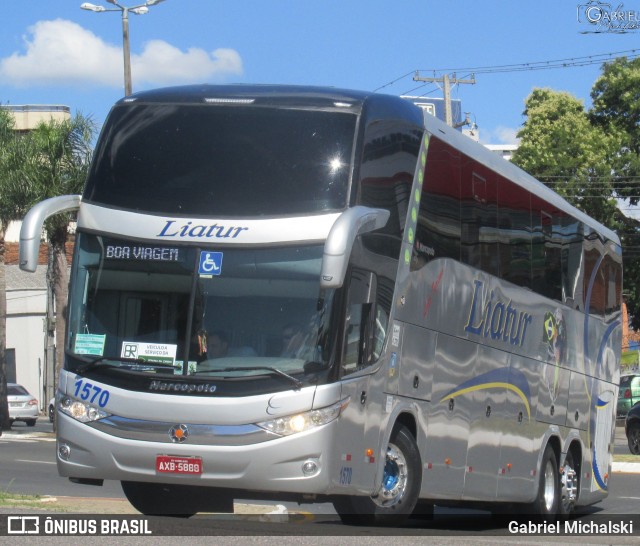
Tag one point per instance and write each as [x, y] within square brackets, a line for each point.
[258, 94]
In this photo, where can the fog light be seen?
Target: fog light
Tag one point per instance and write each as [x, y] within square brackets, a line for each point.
[309, 467]
[64, 452]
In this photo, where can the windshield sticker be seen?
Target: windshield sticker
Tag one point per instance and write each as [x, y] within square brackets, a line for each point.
[162, 353]
[210, 263]
[141, 253]
[89, 344]
[177, 368]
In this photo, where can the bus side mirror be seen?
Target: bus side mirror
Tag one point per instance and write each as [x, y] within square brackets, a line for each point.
[31, 230]
[337, 248]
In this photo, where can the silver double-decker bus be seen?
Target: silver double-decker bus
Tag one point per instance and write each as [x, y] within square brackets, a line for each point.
[322, 295]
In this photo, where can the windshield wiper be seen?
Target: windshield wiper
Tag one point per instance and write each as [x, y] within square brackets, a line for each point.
[298, 384]
[134, 363]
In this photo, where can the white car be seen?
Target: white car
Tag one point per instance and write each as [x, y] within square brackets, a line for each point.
[22, 405]
[51, 409]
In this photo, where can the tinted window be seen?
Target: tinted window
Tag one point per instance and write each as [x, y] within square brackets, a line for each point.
[514, 228]
[438, 227]
[213, 160]
[16, 390]
[386, 174]
[479, 217]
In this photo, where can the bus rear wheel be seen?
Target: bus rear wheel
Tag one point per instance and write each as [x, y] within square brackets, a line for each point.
[397, 496]
[570, 485]
[547, 502]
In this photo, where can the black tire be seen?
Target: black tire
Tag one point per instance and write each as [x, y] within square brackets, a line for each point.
[31, 423]
[398, 495]
[569, 486]
[180, 501]
[633, 438]
[547, 500]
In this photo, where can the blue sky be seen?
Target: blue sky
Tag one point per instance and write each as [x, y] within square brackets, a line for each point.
[52, 52]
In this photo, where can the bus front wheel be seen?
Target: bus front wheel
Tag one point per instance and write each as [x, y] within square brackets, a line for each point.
[397, 496]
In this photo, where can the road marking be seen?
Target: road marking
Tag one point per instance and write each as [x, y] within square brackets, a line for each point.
[40, 462]
[31, 440]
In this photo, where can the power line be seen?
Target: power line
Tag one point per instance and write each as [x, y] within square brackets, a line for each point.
[569, 62]
[546, 65]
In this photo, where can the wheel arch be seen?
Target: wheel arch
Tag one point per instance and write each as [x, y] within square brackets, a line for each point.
[554, 442]
[408, 420]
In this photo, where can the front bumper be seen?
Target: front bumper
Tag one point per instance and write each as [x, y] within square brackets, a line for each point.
[275, 465]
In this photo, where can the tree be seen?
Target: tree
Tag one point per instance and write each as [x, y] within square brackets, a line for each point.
[6, 126]
[58, 166]
[616, 108]
[13, 151]
[561, 148]
[580, 158]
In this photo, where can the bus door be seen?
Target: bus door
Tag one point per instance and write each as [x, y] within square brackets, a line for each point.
[359, 427]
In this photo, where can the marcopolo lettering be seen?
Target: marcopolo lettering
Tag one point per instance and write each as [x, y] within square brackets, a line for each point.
[181, 387]
[496, 319]
[199, 231]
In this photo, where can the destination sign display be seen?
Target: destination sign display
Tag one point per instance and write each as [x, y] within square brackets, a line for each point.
[141, 253]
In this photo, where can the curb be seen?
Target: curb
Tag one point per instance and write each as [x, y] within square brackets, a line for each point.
[625, 468]
[96, 505]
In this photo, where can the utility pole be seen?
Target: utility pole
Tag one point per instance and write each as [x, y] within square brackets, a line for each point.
[446, 81]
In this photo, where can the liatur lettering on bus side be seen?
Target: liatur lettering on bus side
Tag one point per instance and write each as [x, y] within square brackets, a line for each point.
[495, 318]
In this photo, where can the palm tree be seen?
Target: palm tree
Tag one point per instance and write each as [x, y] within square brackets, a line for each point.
[58, 166]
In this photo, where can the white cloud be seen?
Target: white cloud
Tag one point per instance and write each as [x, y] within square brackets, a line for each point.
[499, 135]
[61, 52]
[506, 135]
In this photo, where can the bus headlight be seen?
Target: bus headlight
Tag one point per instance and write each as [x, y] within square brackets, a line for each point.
[80, 411]
[292, 424]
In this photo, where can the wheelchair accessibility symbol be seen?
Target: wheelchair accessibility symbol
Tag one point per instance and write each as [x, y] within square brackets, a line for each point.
[210, 263]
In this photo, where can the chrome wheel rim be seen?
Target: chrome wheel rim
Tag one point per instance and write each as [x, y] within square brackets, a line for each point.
[394, 479]
[569, 488]
[549, 487]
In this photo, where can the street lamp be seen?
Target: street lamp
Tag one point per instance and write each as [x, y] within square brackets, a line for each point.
[140, 9]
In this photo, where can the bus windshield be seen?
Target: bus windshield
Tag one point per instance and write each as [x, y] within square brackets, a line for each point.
[211, 160]
[235, 315]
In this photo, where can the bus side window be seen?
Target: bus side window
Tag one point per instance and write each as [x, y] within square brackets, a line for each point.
[366, 323]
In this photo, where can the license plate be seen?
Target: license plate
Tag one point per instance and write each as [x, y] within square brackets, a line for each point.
[15, 404]
[178, 465]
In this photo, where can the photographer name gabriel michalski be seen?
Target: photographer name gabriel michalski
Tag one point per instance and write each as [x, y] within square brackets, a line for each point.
[572, 527]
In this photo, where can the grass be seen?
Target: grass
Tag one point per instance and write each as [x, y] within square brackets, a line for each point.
[7, 498]
[629, 359]
[626, 458]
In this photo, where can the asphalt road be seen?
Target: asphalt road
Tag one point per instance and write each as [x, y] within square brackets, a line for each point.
[27, 465]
